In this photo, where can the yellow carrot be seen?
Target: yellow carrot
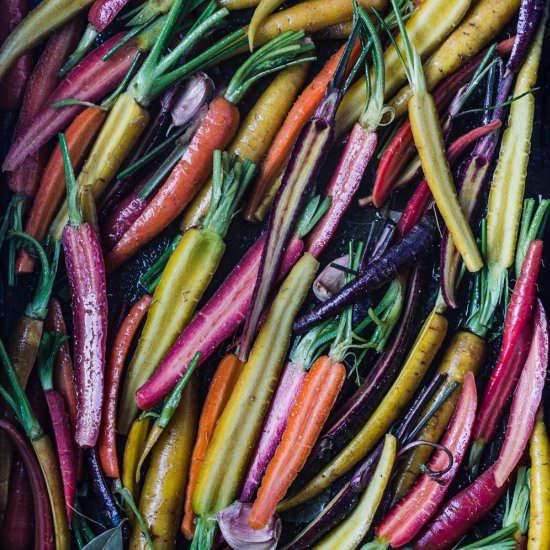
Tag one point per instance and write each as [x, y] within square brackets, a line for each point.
[483, 22]
[240, 424]
[539, 451]
[427, 28]
[349, 534]
[256, 132]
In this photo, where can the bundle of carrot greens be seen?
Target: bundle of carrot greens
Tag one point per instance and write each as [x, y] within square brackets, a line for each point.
[209, 340]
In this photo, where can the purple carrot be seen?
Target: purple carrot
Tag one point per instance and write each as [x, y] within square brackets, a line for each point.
[103, 12]
[47, 352]
[17, 527]
[220, 317]
[43, 522]
[363, 402]
[12, 85]
[90, 80]
[289, 385]
[306, 160]
[416, 244]
[526, 400]
[86, 272]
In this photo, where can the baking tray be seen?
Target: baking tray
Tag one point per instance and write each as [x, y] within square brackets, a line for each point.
[124, 288]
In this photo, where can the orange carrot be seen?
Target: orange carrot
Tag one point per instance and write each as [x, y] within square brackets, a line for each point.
[117, 358]
[307, 418]
[215, 132]
[301, 112]
[80, 135]
[218, 393]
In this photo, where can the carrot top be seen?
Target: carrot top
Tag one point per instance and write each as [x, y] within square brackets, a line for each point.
[76, 217]
[45, 357]
[17, 400]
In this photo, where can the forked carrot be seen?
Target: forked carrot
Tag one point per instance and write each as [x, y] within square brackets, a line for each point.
[301, 112]
[80, 135]
[107, 453]
[218, 394]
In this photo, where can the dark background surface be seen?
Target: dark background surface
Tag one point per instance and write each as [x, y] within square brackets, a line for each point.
[123, 286]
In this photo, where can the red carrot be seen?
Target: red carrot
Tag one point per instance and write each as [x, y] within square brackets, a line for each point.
[408, 517]
[107, 453]
[41, 84]
[86, 272]
[49, 347]
[459, 514]
[511, 357]
[526, 401]
[90, 80]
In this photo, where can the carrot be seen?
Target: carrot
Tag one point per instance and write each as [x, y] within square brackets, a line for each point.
[63, 373]
[215, 132]
[308, 416]
[484, 21]
[107, 439]
[418, 361]
[539, 451]
[301, 112]
[428, 139]
[262, 11]
[256, 132]
[132, 451]
[218, 394]
[79, 135]
[49, 347]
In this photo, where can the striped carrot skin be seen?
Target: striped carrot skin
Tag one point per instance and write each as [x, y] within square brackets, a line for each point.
[215, 132]
[307, 418]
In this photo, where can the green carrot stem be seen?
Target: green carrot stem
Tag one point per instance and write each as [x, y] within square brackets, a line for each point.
[373, 111]
[532, 227]
[517, 507]
[173, 400]
[86, 42]
[126, 38]
[109, 101]
[38, 307]
[153, 77]
[309, 346]
[280, 52]
[162, 171]
[153, 153]
[230, 178]
[18, 400]
[45, 357]
[73, 204]
[70, 101]
[498, 540]
[151, 277]
[313, 212]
